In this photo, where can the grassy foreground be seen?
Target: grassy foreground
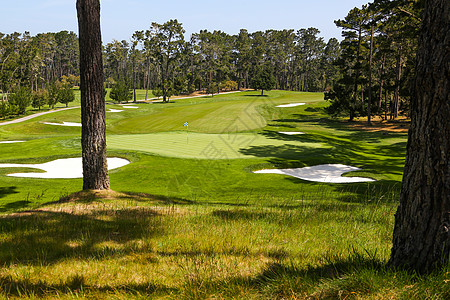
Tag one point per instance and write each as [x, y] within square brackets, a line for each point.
[190, 220]
[133, 246]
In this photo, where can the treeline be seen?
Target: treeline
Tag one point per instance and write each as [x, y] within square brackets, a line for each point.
[37, 70]
[377, 60]
[161, 60]
[369, 72]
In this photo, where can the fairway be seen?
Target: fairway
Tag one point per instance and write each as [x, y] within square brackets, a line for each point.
[200, 145]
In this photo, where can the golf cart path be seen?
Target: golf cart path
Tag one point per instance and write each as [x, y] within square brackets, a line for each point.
[35, 115]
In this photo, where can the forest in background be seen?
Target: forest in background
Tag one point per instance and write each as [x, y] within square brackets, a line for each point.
[368, 73]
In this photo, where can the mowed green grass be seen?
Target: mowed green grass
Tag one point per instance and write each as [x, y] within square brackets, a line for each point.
[225, 144]
[239, 112]
[200, 145]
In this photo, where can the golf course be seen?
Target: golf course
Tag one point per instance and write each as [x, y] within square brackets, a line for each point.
[191, 215]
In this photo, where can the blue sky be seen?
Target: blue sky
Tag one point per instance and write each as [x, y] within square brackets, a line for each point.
[121, 18]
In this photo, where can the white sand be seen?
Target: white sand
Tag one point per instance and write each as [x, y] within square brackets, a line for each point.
[10, 142]
[290, 105]
[291, 132]
[71, 124]
[115, 110]
[62, 168]
[329, 173]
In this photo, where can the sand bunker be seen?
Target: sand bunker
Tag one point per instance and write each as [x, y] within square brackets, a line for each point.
[115, 110]
[11, 142]
[129, 106]
[291, 132]
[329, 173]
[290, 105]
[62, 168]
[71, 124]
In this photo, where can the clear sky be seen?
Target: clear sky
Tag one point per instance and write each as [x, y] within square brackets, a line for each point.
[121, 18]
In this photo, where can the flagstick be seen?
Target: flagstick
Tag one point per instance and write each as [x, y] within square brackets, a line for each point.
[187, 134]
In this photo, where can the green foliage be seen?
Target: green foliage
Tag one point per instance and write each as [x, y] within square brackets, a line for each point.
[4, 109]
[52, 98]
[40, 98]
[66, 95]
[157, 92]
[340, 98]
[70, 80]
[20, 100]
[229, 85]
[212, 88]
[263, 79]
[121, 91]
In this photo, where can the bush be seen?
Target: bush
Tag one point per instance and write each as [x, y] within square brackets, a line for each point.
[40, 98]
[20, 100]
[4, 109]
[66, 95]
[121, 91]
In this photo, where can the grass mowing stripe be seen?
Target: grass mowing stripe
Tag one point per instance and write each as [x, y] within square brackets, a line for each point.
[199, 145]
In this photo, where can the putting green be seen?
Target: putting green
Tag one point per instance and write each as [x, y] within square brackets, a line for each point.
[199, 145]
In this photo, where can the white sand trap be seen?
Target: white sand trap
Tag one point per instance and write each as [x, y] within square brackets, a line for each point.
[71, 124]
[330, 173]
[62, 168]
[115, 110]
[11, 142]
[291, 132]
[290, 105]
[129, 105]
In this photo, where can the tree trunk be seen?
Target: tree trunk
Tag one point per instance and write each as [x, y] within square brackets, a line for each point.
[148, 81]
[93, 133]
[369, 100]
[380, 96]
[134, 78]
[421, 238]
[396, 106]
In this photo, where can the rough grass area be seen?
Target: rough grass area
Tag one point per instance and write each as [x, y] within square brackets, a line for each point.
[134, 246]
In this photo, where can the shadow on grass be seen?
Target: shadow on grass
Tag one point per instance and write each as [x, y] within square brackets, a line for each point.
[13, 206]
[383, 161]
[75, 286]
[259, 95]
[77, 232]
[5, 191]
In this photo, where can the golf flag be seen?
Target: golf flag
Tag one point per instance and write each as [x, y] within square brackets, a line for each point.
[187, 131]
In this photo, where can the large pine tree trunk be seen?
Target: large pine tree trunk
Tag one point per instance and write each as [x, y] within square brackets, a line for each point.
[422, 222]
[93, 136]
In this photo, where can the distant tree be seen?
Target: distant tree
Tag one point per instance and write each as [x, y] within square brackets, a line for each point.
[93, 132]
[40, 98]
[157, 92]
[212, 88]
[229, 85]
[20, 100]
[166, 41]
[422, 223]
[110, 82]
[4, 109]
[52, 97]
[263, 79]
[66, 95]
[121, 91]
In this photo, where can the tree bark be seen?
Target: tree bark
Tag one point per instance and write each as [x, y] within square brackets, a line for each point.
[93, 134]
[421, 238]
[369, 100]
